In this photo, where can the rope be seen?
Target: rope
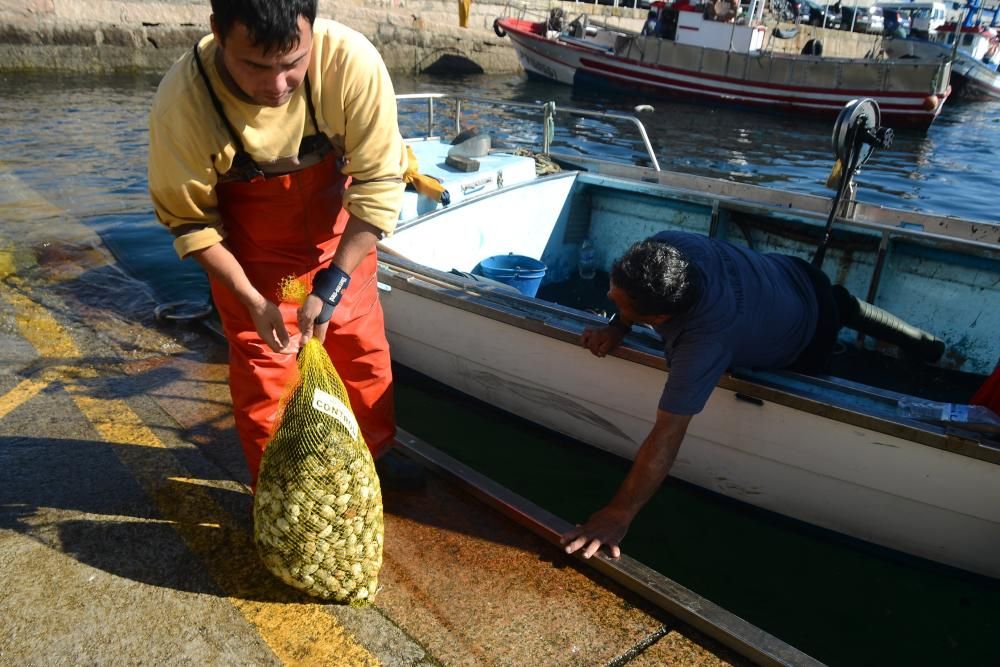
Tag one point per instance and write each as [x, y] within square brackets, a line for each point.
[549, 110]
[634, 652]
[543, 163]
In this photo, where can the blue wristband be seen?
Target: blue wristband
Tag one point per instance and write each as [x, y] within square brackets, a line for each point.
[330, 285]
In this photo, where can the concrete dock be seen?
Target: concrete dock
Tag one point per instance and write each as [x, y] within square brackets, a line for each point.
[125, 521]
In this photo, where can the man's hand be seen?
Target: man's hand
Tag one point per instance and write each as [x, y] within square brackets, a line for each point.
[606, 527]
[603, 340]
[270, 325]
[308, 312]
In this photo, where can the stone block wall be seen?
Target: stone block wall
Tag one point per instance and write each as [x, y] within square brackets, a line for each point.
[144, 35]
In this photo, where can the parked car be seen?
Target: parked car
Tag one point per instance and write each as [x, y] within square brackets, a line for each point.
[862, 19]
[786, 10]
[827, 16]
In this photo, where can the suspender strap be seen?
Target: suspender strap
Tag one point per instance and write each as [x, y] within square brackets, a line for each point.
[242, 162]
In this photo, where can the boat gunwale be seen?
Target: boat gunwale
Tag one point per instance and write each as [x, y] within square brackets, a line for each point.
[550, 320]
[978, 235]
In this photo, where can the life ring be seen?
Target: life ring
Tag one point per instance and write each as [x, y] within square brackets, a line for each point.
[498, 29]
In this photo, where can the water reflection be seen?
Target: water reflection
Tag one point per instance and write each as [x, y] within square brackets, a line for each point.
[945, 170]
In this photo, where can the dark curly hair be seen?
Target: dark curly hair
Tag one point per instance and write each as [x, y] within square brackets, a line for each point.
[658, 278]
[271, 24]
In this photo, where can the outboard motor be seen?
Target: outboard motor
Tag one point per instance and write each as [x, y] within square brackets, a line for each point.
[856, 135]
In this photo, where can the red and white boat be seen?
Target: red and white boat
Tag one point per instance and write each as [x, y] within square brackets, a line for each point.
[684, 54]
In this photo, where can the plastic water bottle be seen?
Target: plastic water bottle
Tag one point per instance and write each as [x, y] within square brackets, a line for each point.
[954, 413]
[587, 265]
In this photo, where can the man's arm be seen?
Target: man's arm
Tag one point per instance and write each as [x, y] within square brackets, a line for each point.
[356, 242]
[221, 265]
[607, 527]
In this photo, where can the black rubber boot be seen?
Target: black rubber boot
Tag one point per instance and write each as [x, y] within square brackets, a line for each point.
[883, 325]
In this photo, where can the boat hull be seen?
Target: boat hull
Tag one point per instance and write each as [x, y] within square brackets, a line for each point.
[876, 487]
[779, 83]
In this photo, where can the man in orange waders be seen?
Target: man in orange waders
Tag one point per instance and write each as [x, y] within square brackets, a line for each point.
[275, 151]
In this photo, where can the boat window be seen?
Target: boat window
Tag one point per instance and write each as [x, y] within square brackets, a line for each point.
[967, 40]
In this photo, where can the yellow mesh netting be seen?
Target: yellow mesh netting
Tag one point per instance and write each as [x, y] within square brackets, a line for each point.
[318, 507]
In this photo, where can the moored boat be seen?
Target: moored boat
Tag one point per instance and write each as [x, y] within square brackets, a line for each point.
[724, 60]
[846, 452]
[974, 61]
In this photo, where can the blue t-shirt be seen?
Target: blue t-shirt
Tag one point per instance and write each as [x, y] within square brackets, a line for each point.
[756, 311]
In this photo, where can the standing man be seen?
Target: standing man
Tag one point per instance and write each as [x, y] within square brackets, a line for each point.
[275, 151]
[716, 305]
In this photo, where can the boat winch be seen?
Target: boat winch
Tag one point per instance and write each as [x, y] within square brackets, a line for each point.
[856, 135]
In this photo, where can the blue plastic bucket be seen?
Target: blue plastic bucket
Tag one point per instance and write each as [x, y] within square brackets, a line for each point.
[523, 273]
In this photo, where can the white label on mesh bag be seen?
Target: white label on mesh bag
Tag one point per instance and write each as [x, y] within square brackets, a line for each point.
[329, 404]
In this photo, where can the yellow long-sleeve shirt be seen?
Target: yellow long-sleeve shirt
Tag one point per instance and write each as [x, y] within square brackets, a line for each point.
[190, 147]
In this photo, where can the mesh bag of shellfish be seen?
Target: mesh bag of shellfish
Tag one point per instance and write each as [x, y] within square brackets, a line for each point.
[318, 506]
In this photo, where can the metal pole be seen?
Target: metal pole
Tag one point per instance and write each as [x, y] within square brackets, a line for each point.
[854, 15]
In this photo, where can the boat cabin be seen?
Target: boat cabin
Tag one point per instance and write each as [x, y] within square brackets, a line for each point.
[979, 42]
[713, 25]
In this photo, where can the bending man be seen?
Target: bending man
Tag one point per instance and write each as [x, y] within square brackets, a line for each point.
[716, 305]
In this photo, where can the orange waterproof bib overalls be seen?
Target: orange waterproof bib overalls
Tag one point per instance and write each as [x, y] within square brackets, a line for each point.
[291, 224]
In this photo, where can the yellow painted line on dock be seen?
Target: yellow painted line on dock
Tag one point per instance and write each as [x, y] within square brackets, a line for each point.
[19, 395]
[298, 631]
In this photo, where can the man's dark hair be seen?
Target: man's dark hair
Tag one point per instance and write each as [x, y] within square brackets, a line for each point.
[271, 24]
[658, 278]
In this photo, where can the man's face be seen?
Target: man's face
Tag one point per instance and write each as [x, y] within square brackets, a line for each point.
[269, 79]
[627, 311]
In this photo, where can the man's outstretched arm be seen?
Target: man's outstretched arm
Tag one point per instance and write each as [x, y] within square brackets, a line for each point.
[607, 527]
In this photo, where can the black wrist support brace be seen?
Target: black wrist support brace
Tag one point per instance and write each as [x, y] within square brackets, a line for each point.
[329, 285]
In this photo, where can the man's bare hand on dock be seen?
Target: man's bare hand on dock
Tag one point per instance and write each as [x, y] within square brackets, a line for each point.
[606, 527]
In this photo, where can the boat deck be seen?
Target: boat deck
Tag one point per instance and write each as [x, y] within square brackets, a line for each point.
[126, 536]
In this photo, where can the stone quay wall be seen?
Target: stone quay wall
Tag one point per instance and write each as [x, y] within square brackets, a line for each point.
[103, 36]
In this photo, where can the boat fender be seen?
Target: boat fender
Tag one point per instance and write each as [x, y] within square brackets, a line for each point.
[931, 102]
[813, 47]
[498, 29]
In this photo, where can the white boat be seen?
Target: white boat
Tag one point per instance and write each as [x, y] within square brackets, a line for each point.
[832, 451]
[709, 60]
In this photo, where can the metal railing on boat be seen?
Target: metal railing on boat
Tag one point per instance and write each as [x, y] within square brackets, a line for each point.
[683, 604]
[547, 109]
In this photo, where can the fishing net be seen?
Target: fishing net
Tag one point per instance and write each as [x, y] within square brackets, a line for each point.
[318, 506]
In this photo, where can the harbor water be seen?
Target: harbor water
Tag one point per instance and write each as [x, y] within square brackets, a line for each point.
[80, 143]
